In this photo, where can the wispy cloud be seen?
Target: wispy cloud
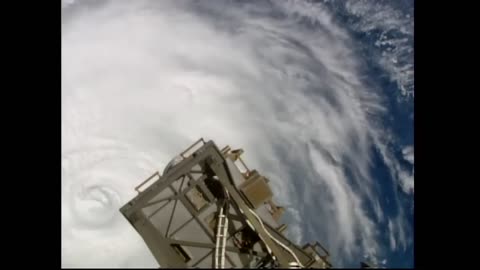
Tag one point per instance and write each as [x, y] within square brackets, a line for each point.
[408, 154]
[390, 26]
[393, 242]
[142, 80]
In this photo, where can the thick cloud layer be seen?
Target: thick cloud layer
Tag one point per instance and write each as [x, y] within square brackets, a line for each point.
[142, 80]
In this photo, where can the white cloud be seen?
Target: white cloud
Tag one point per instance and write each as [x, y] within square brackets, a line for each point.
[408, 154]
[406, 181]
[65, 3]
[294, 231]
[406, 178]
[393, 242]
[140, 84]
[397, 235]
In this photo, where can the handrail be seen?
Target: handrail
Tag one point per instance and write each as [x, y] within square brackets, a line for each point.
[191, 146]
[245, 166]
[137, 188]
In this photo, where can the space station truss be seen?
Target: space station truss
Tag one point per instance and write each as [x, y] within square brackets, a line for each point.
[208, 210]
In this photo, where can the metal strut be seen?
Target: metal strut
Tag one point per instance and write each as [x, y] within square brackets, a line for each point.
[221, 240]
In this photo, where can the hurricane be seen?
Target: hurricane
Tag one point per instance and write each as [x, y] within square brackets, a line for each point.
[284, 80]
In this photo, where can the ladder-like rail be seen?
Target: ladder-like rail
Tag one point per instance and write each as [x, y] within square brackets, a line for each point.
[221, 240]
